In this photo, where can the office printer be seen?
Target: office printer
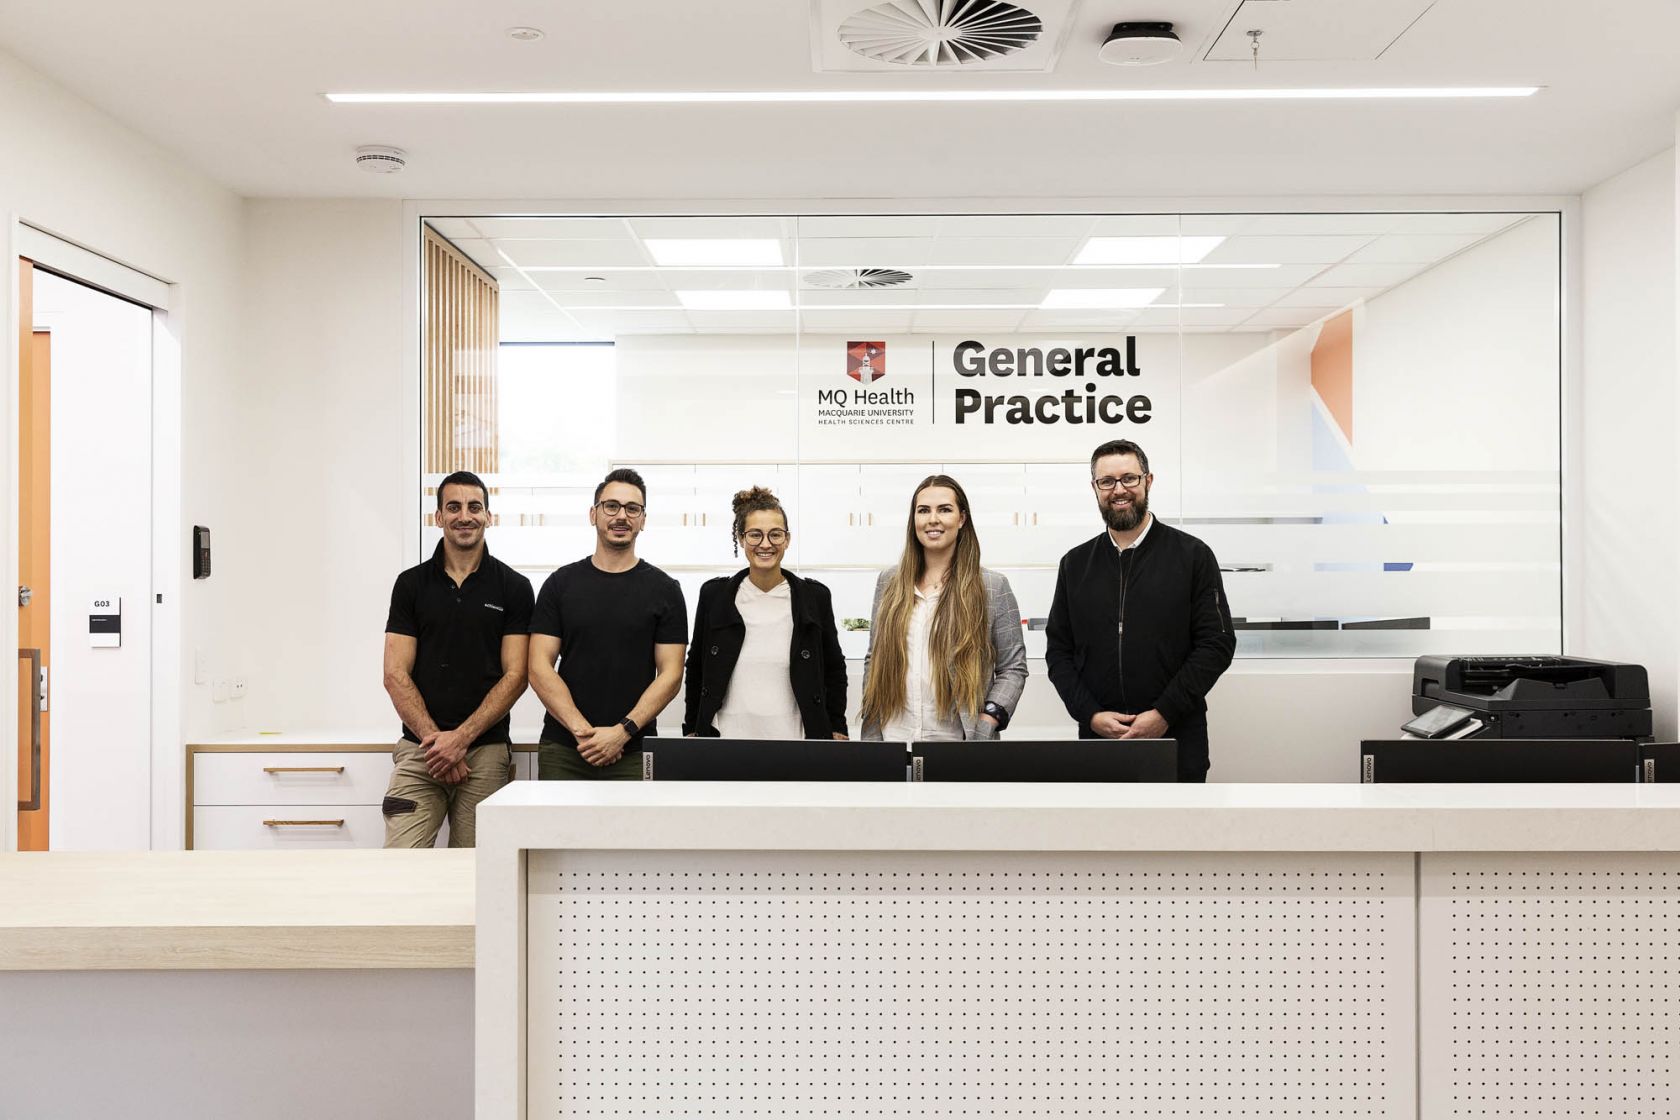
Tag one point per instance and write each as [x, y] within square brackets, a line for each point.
[1529, 698]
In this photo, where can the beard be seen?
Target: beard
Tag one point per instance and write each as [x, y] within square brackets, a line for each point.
[1125, 520]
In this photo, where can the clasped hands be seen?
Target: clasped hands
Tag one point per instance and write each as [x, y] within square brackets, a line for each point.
[446, 755]
[602, 746]
[1120, 725]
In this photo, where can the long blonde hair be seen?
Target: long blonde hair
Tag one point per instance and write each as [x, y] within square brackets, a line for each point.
[959, 641]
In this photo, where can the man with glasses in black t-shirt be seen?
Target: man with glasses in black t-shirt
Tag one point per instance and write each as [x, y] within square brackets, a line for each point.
[455, 650]
[618, 627]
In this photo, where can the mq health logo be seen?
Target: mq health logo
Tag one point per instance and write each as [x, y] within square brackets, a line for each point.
[866, 361]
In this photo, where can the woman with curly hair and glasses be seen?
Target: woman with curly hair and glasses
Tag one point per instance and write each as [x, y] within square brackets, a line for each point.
[946, 657]
[765, 662]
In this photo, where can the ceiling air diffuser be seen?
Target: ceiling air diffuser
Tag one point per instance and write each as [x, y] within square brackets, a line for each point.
[940, 32]
[853, 278]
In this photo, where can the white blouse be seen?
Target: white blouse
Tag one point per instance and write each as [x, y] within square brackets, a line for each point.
[920, 720]
[760, 702]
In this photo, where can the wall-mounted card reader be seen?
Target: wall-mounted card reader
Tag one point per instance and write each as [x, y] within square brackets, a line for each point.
[201, 552]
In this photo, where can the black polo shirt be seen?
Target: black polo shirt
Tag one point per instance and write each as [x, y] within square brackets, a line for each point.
[459, 631]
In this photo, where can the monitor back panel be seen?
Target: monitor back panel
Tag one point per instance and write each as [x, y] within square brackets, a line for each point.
[1078, 760]
[1498, 760]
[772, 760]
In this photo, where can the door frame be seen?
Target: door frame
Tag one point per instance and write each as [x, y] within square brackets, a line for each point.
[86, 265]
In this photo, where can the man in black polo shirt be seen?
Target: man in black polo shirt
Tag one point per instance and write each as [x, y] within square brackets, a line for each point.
[618, 626]
[455, 648]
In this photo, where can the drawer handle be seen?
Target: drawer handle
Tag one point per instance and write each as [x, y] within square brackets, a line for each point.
[339, 823]
[303, 769]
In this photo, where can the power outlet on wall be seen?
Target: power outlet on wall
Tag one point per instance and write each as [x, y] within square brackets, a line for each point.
[236, 688]
[219, 690]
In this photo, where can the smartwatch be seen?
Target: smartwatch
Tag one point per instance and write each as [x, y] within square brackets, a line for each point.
[629, 726]
[997, 712]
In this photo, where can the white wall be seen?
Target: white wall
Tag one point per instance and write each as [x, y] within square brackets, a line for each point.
[328, 470]
[1628, 526]
[72, 170]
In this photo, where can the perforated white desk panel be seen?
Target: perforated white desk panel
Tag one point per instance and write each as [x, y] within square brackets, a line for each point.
[703, 950]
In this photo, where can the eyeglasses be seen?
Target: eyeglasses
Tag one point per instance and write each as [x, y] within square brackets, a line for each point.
[613, 509]
[759, 536]
[1108, 482]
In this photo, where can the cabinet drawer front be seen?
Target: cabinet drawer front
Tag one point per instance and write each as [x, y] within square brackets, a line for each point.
[288, 826]
[282, 778]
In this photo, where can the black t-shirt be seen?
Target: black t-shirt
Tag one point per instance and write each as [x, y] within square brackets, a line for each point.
[608, 624]
[459, 631]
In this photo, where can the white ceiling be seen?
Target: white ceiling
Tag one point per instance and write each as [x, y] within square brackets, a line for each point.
[968, 273]
[236, 90]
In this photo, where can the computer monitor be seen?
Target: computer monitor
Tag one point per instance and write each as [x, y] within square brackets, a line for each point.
[1659, 762]
[1048, 760]
[702, 759]
[1498, 760]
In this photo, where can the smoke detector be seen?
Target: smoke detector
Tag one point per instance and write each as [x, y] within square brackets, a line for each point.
[939, 32]
[1140, 44]
[381, 160]
[855, 278]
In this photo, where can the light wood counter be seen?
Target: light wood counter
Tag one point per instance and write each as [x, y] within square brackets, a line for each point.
[237, 910]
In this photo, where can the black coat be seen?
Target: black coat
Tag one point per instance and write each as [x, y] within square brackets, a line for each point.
[1176, 642]
[816, 667]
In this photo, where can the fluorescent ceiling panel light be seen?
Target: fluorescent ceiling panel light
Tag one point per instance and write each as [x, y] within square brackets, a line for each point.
[810, 96]
[1146, 250]
[1084, 299]
[684, 252]
[752, 299]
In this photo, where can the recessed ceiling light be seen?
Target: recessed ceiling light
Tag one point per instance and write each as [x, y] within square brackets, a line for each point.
[736, 97]
[1092, 298]
[723, 299]
[1146, 250]
[525, 34]
[682, 251]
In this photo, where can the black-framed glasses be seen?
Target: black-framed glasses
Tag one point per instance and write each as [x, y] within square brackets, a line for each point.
[1108, 482]
[613, 509]
[759, 536]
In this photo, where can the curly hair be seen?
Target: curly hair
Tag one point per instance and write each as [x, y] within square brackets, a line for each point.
[751, 501]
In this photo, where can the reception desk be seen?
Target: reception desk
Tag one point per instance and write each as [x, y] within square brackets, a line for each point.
[723, 949]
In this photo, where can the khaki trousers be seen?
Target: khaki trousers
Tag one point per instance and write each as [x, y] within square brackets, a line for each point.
[416, 803]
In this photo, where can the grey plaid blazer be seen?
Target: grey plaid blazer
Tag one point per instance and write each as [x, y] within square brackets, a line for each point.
[1009, 653]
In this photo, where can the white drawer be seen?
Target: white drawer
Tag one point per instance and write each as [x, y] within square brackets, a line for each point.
[282, 778]
[245, 826]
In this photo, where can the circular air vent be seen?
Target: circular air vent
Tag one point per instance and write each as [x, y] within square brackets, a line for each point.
[380, 159]
[857, 278]
[940, 32]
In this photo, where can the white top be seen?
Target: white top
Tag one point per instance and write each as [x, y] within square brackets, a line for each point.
[1095, 817]
[920, 721]
[760, 702]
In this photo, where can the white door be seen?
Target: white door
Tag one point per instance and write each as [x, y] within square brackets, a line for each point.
[99, 693]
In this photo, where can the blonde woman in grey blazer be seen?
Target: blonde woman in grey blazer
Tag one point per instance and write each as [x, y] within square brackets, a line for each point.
[946, 658]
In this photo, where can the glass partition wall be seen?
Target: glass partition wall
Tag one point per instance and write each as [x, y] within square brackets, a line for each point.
[1358, 412]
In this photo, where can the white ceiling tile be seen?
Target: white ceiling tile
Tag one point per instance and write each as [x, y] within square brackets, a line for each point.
[573, 253]
[1284, 250]
[883, 322]
[1149, 277]
[1408, 248]
[1326, 297]
[865, 226]
[567, 229]
[863, 252]
[1285, 276]
[1230, 297]
[859, 297]
[510, 279]
[454, 228]
[572, 279]
[1016, 225]
[608, 324]
[1367, 275]
[1192, 316]
[1457, 223]
[1032, 295]
[743, 322]
[606, 298]
[1000, 321]
[1319, 225]
[724, 279]
[1006, 250]
[1135, 225]
[1221, 225]
[744, 228]
[1067, 320]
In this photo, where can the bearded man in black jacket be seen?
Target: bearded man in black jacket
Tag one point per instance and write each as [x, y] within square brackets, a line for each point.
[1139, 631]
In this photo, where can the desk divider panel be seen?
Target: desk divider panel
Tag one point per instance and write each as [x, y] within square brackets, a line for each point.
[665, 984]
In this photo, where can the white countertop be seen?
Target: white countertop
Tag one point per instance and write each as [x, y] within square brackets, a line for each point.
[327, 737]
[888, 816]
[209, 910]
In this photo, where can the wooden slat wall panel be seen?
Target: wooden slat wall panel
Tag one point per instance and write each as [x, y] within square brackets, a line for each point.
[459, 393]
